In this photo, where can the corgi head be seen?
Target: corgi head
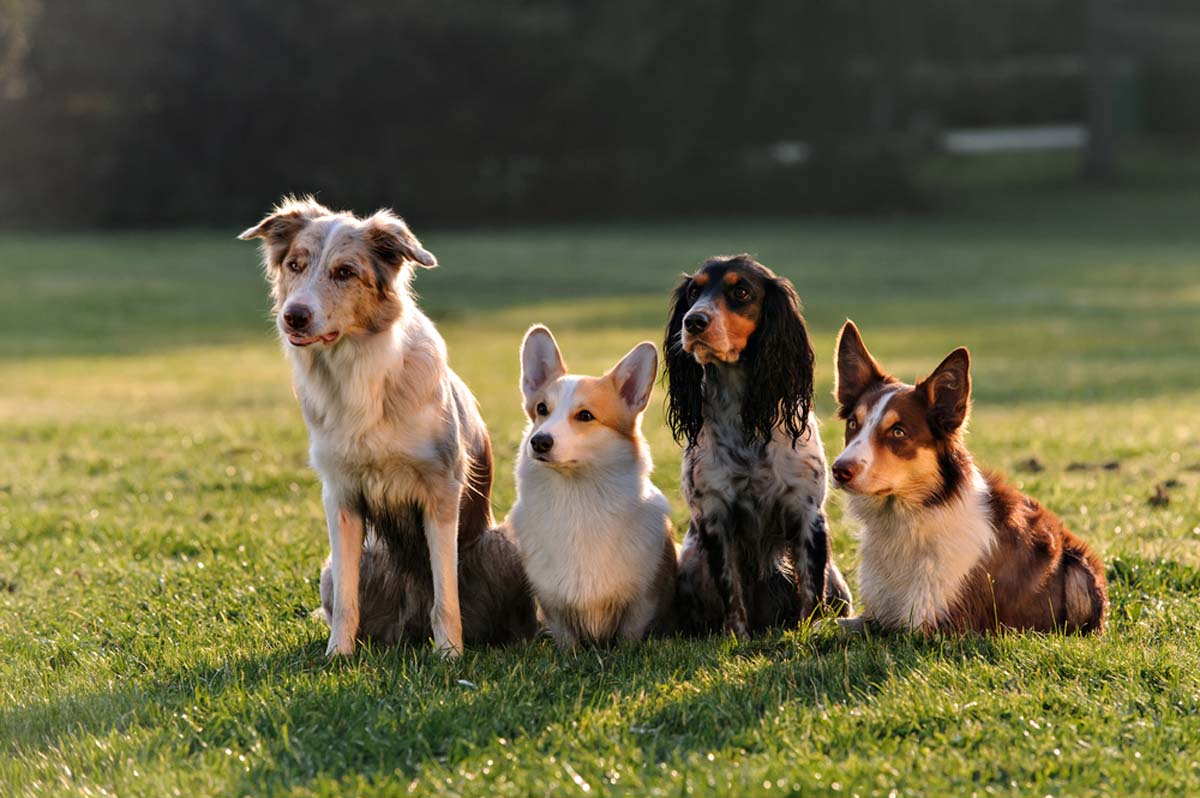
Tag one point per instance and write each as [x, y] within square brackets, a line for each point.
[579, 421]
[334, 275]
[902, 441]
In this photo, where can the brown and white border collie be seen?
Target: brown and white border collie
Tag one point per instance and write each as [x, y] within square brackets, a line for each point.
[946, 546]
[404, 457]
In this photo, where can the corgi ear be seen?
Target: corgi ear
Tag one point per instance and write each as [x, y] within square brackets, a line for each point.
[855, 369]
[947, 391]
[393, 243]
[280, 226]
[541, 361]
[634, 375]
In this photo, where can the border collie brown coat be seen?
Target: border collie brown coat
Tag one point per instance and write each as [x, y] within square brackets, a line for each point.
[739, 366]
[944, 545]
[593, 531]
[396, 437]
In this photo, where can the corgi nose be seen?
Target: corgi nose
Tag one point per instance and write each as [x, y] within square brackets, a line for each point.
[541, 443]
[297, 317]
[696, 323]
[846, 472]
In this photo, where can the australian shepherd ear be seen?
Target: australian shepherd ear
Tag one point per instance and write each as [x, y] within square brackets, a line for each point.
[280, 226]
[779, 364]
[393, 243]
[855, 369]
[947, 391]
[683, 375]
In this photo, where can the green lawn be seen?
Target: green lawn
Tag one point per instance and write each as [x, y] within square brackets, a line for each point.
[160, 533]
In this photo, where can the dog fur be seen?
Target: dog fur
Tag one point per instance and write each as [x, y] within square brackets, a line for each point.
[404, 457]
[593, 531]
[739, 366]
[944, 544]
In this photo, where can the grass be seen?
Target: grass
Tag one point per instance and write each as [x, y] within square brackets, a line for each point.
[160, 533]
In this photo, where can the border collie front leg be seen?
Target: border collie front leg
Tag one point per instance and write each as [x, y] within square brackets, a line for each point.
[345, 546]
[441, 535]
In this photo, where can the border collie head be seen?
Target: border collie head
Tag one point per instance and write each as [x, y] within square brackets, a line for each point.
[902, 441]
[734, 310]
[578, 421]
[334, 275]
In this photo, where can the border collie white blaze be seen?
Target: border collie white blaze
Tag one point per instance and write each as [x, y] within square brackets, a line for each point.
[945, 545]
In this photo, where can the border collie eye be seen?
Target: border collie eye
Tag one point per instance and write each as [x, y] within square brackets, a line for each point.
[899, 432]
[584, 415]
[741, 294]
[541, 409]
[294, 266]
[344, 272]
[852, 425]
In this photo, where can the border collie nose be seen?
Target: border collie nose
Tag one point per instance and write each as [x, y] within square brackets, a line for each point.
[844, 472]
[541, 442]
[297, 317]
[695, 323]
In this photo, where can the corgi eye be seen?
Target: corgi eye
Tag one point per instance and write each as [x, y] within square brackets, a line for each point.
[899, 432]
[852, 425]
[294, 266]
[541, 409]
[584, 415]
[344, 272]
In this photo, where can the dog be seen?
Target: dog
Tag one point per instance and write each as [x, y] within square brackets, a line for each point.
[593, 531]
[946, 546]
[404, 457]
[739, 368]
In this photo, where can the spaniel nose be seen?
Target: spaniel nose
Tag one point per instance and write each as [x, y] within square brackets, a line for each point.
[695, 323]
[845, 472]
[541, 443]
[297, 317]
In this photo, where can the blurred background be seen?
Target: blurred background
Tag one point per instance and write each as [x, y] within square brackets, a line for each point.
[136, 113]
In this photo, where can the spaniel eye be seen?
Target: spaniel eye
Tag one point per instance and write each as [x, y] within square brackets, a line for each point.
[584, 415]
[541, 409]
[344, 272]
[899, 432]
[693, 291]
[741, 294]
[852, 425]
[294, 266]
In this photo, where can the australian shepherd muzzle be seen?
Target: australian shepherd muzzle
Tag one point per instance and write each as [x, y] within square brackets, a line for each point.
[404, 457]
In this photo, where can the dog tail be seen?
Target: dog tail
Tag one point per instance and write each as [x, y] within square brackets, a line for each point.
[382, 595]
[1085, 591]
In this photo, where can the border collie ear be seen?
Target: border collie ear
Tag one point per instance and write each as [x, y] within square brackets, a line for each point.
[683, 375]
[779, 365]
[948, 392]
[634, 375]
[393, 243]
[855, 369]
[541, 361]
[280, 226]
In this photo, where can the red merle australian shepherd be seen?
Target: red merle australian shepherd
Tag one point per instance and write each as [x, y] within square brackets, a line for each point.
[739, 366]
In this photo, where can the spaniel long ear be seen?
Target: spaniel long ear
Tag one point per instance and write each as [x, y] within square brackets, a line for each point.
[856, 370]
[947, 391]
[541, 361]
[280, 226]
[683, 375]
[393, 243]
[634, 376]
[779, 363]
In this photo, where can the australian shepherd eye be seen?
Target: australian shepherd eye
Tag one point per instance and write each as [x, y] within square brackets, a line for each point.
[294, 266]
[344, 272]
[899, 432]
[584, 415]
[851, 425]
[541, 409]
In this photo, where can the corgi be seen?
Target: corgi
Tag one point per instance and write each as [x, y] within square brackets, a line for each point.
[593, 531]
[945, 545]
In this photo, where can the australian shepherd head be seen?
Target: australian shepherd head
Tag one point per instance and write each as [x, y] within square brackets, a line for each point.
[334, 275]
[904, 443]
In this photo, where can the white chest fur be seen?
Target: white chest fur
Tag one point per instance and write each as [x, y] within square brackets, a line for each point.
[914, 562]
